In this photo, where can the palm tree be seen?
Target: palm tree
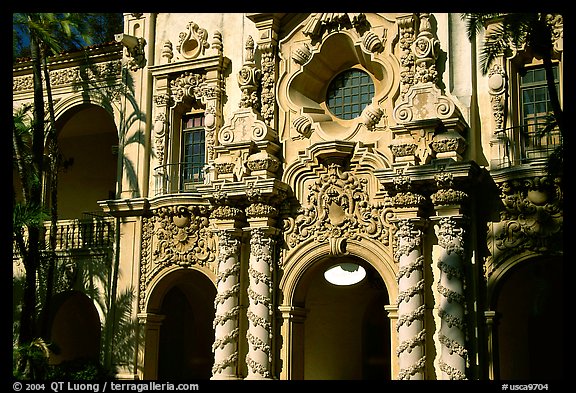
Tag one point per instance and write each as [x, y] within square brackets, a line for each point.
[515, 30]
[46, 32]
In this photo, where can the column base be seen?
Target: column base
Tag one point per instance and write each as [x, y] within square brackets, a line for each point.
[225, 378]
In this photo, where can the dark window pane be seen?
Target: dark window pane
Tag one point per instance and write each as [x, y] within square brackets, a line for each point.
[350, 87]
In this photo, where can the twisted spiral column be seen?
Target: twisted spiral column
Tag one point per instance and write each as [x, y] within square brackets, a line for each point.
[451, 310]
[260, 307]
[227, 307]
[410, 326]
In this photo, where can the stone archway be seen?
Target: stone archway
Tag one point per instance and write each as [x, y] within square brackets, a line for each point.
[340, 322]
[333, 332]
[88, 143]
[75, 328]
[178, 327]
[528, 302]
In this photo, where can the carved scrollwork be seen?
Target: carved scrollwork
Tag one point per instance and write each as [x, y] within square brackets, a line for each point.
[188, 84]
[338, 207]
[532, 217]
[182, 236]
[193, 42]
[175, 235]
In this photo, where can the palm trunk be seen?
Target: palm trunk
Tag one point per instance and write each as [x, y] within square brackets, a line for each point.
[53, 152]
[554, 100]
[31, 262]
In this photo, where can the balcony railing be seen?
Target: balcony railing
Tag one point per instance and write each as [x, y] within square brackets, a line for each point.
[177, 178]
[527, 143]
[92, 231]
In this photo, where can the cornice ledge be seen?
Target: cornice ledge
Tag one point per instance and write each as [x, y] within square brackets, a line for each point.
[125, 207]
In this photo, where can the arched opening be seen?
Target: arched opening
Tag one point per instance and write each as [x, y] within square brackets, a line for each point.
[186, 332]
[346, 332]
[529, 306]
[88, 143]
[75, 329]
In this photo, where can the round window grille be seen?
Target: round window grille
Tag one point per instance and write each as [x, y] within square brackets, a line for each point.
[349, 93]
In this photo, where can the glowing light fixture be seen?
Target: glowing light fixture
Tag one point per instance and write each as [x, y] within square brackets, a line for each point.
[345, 274]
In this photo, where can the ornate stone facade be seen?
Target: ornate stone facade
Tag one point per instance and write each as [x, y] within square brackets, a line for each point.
[405, 189]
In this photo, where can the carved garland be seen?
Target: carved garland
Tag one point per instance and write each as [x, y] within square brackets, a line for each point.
[226, 304]
[452, 309]
[407, 253]
[260, 308]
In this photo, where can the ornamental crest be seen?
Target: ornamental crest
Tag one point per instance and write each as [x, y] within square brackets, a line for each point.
[175, 235]
[533, 215]
[178, 235]
[338, 210]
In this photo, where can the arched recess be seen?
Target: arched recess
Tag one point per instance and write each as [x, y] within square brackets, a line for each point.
[88, 144]
[527, 295]
[178, 325]
[332, 326]
[75, 329]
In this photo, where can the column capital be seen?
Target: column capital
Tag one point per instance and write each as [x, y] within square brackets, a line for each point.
[270, 231]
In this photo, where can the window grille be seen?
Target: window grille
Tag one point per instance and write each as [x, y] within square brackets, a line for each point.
[535, 111]
[193, 150]
[349, 93]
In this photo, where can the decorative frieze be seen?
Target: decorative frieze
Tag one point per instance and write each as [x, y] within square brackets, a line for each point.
[94, 73]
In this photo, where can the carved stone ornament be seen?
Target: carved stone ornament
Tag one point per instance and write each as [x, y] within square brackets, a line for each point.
[321, 23]
[303, 125]
[302, 54]
[249, 79]
[245, 126]
[404, 197]
[448, 144]
[422, 102]
[446, 194]
[407, 35]
[532, 218]
[497, 84]
[187, 85]
[338, 208]
[175, 235]
[193, 42]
